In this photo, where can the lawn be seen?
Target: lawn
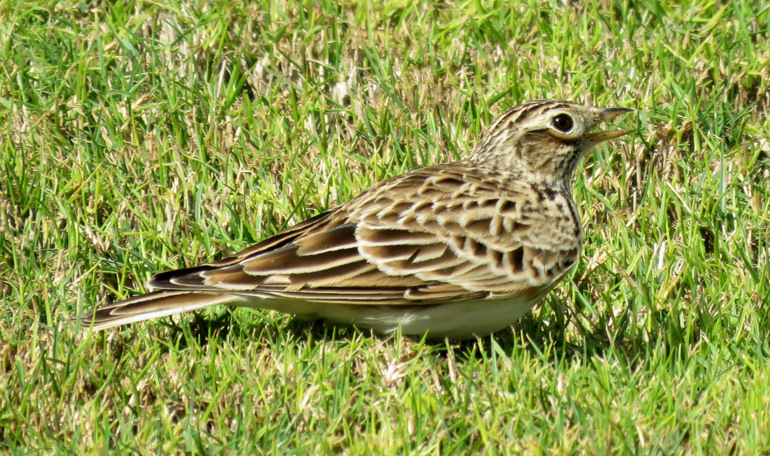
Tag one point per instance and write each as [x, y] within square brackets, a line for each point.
[139, 137]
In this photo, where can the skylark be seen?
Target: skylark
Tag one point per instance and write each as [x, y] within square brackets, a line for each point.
[456, 250]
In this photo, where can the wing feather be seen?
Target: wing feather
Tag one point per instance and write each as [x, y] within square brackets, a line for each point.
[402, 243]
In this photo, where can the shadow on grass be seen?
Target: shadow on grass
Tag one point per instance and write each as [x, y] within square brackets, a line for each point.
[529, 334]
[554, 335]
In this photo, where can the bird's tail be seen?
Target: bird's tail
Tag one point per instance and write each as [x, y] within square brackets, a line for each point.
[151, 305]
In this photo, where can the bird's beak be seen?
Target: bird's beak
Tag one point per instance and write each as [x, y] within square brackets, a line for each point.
[604, 116]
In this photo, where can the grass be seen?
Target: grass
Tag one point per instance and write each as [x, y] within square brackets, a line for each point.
[138, 137]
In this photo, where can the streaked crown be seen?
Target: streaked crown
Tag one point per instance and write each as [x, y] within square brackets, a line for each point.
[544, 140]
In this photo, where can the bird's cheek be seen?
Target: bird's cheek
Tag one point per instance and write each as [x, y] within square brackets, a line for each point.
[541, 153]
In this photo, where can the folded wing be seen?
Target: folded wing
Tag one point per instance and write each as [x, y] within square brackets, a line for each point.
[425, 237]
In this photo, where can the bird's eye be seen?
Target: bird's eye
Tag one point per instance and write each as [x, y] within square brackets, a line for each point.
[563, 123]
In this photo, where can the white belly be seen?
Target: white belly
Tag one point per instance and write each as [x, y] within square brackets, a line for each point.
[454, 320]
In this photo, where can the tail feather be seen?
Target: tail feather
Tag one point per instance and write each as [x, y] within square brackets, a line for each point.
[152, 305]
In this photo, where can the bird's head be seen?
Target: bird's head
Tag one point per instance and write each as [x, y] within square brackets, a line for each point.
[544, 139]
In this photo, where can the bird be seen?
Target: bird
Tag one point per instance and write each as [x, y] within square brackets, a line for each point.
[451, 251]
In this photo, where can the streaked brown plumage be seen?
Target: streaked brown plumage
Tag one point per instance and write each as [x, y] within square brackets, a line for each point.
[455, 250]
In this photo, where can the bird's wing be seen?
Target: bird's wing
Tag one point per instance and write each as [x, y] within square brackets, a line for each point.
[429, 236]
